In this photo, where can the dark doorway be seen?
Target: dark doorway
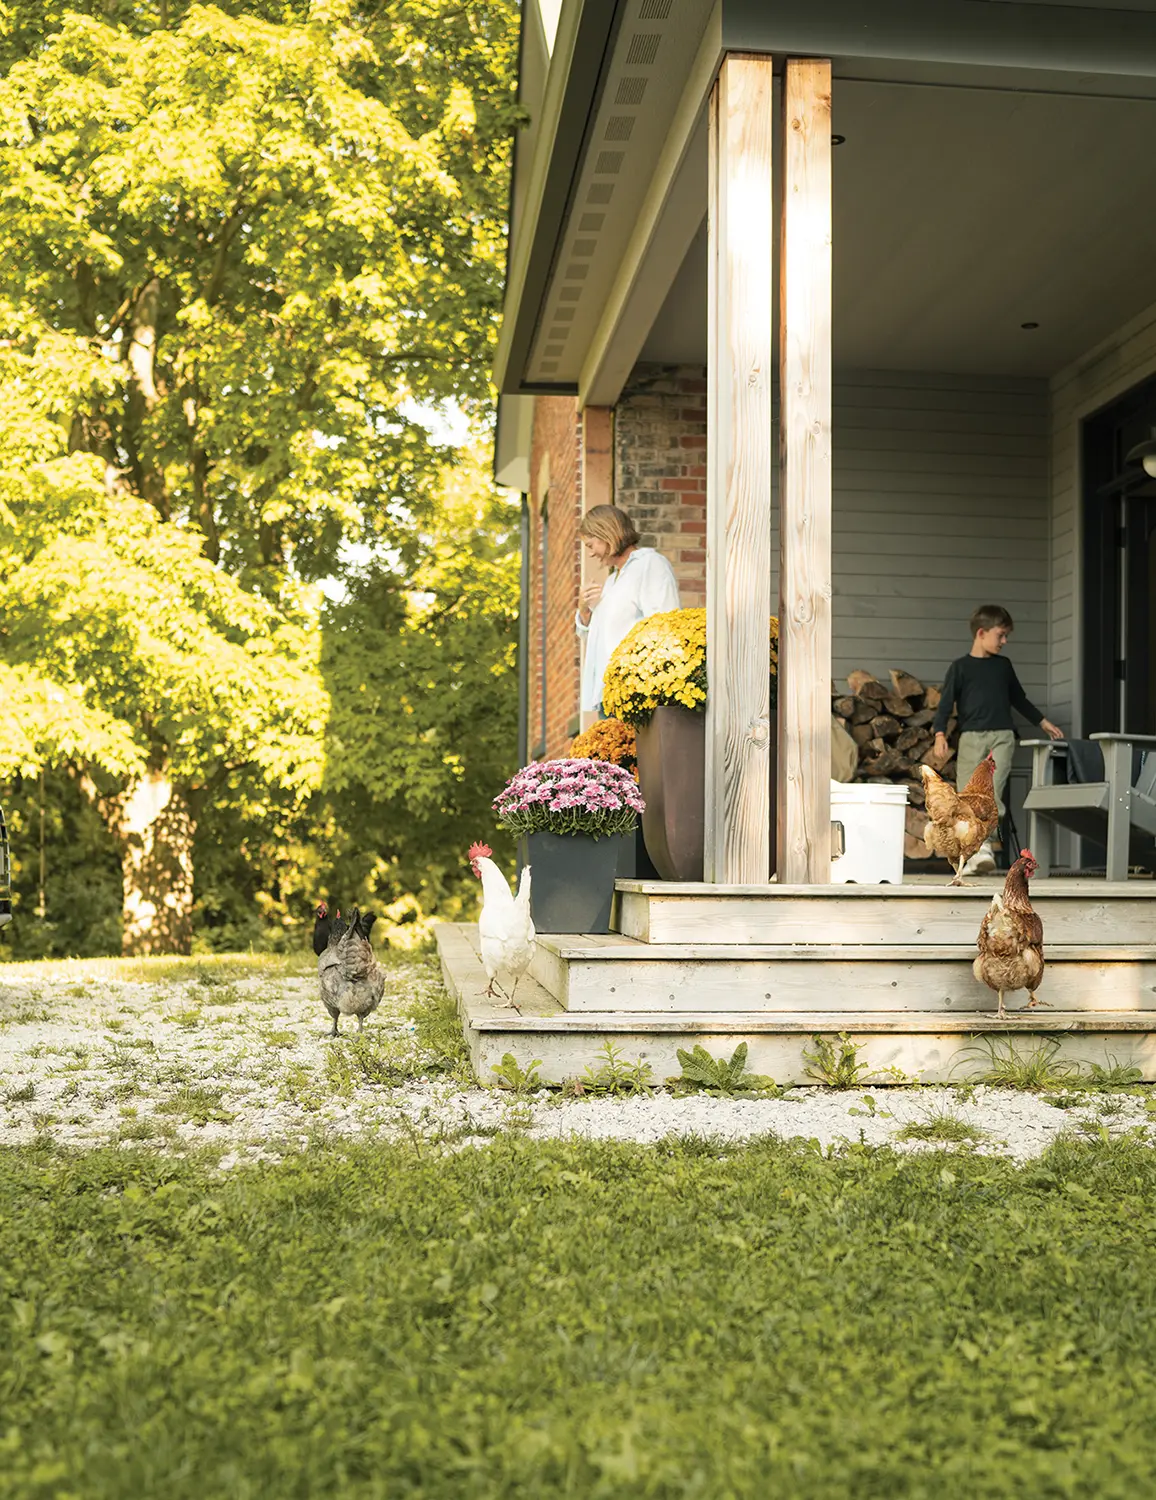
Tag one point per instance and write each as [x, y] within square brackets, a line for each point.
[1119, 569]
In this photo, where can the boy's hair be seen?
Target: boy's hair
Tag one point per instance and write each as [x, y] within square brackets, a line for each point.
[991, 617]
[609, 524]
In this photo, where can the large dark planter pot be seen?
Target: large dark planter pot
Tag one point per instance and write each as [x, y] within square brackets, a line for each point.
[672, 779]
[572, 880]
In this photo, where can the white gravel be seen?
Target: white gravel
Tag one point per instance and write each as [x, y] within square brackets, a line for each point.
[247, 1066]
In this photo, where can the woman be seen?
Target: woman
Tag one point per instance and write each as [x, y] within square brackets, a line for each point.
[641, 583]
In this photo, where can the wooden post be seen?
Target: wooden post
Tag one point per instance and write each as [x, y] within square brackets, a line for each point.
[804, 792]
[740, 333]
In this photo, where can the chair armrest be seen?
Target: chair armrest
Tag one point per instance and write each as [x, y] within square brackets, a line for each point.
[1126, 739]
[1037, 744]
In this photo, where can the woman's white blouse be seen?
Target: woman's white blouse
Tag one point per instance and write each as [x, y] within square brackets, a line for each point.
[644, 585]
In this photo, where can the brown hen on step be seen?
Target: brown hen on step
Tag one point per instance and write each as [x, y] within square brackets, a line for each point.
[1011, 938]
[959, 823]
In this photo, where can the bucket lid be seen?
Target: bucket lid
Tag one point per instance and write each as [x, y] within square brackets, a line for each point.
[867, 791]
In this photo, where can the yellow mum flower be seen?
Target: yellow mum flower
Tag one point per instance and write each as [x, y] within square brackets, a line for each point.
[662, 660]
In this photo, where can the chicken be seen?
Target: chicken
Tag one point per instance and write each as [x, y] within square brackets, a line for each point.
[1011, 938]
[322, 927]
[960, 822]
[505, 929]
[352, 980]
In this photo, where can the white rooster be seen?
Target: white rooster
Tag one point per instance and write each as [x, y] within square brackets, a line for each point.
[505, 930]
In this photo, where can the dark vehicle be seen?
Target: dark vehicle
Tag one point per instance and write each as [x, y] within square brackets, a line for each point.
[5, 874]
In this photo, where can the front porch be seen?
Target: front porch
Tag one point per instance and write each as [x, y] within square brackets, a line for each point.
[909, 254]
[775, 965]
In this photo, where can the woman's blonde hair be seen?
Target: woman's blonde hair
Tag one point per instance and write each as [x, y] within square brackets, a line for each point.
[609, 524]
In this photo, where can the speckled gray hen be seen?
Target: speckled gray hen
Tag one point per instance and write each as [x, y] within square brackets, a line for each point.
[352, 981]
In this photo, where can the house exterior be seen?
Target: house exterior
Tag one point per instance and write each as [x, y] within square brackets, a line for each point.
[854, 309]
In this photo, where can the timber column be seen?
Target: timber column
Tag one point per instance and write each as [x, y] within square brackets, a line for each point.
[740, 220]
[804, 809]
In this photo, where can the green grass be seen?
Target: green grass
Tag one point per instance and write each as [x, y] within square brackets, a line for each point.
[579, 1320]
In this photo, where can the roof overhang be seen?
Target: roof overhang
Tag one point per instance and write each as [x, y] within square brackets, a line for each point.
[615, 193]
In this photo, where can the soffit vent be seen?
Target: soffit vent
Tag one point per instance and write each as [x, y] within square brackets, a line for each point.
[630, 91]
[619, 127]
[643, 49]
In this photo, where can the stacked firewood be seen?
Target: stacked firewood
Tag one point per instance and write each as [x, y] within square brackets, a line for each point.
[892, 727]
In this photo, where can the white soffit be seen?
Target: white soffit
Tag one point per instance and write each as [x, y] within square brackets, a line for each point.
[961, 214]
[656, 45]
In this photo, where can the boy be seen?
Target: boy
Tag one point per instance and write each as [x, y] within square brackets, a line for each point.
[984, 688]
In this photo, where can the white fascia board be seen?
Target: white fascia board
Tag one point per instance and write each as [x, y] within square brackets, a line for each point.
[513, 437]
[561, 56]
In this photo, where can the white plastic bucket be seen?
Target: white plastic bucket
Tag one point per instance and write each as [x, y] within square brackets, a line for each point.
[873, 818]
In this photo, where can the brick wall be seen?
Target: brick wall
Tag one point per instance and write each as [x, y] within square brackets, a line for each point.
[554, 478]
[660, 467]
[659, 476]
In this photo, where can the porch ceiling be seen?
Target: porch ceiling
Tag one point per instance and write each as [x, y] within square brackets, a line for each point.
[959, 215]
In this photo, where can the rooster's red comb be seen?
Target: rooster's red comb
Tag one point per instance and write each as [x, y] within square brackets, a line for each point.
[479, 851]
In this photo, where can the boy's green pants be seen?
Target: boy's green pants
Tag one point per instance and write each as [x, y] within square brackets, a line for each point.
[974, 745]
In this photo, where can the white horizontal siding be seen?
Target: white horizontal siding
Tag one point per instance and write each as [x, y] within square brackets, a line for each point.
[940, 504]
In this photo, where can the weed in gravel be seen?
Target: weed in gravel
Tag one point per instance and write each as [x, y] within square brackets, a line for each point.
[300, 1086]
[187, 1019]
[281, 1038]
[715, 1075]
[174, 1074]
[197, 1105]
[148, 1128]
[220, 993]
[871, 1109]
[371, 1057]
[835, 1063]
[510, 1074]
[438, 1033]
[23, 1093]
[1114, 1075]
[26, 1013]
[69, 1092]
[941, 1125]
[1035, 1069]
[614, 1073]
[1066, 1100]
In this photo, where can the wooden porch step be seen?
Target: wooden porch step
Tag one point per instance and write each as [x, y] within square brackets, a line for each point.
[1073, 912]
[613, 973]
[895, 1044]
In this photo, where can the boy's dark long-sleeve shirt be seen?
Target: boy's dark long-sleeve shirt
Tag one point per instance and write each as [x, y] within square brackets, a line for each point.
[983, 690]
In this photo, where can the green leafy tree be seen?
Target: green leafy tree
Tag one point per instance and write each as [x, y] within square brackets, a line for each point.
[420, 673]
[275, 227]
[135, 660]
[237, 245]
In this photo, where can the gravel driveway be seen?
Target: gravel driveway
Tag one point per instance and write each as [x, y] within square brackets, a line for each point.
[234, 1053]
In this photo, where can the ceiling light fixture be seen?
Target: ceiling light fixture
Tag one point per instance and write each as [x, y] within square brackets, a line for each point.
[1145, 455]
[837, 140]
[1029, 325]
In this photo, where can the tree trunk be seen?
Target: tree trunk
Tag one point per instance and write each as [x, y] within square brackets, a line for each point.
[156, 827]
[140, 356]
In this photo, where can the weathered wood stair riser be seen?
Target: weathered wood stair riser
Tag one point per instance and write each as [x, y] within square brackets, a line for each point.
[932, 1046]
[1083, 915]
[775, 965]
[587, 975]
